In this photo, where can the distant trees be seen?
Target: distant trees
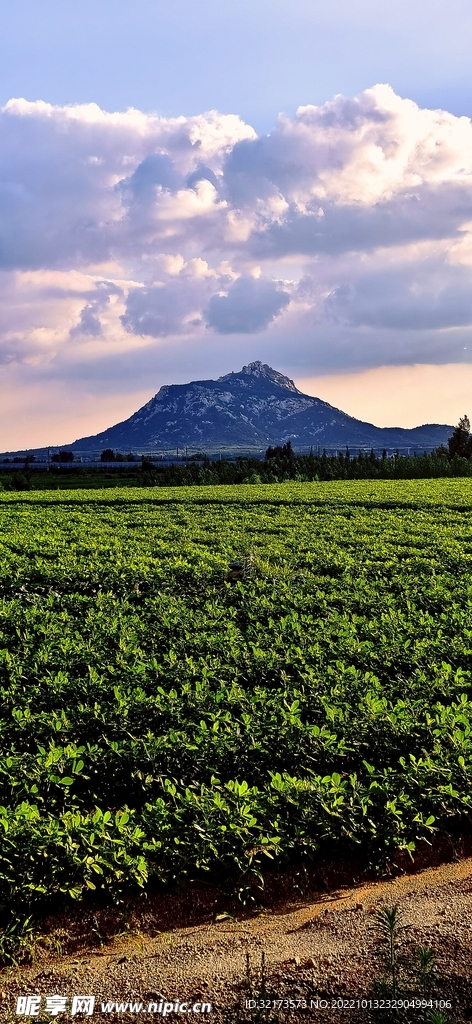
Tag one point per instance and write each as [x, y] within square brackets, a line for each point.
[460, 442]
[284, 451]
[63, 457]
[278, 468]
[109, 455]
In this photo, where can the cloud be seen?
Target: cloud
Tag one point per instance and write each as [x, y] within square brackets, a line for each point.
[331, 229]
[73, 179]
[89, 323]
[173, 304]
[249, 306]
[428, 294]
[156, 170]
[342, 238]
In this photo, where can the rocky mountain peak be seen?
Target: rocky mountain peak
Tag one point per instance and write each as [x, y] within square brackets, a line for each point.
[262, 370]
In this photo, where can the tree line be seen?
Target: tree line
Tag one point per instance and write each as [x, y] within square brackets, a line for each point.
[279, 464]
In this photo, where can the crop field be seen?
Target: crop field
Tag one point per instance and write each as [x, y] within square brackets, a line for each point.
[158, 722]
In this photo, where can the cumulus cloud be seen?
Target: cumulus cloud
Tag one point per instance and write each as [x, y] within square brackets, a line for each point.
[173, 304]
[343, 237]
[69, 176]
[430, 294]
[89, 322]
[250, 305]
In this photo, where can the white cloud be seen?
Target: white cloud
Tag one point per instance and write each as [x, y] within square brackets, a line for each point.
[173, 304]
[128, 235]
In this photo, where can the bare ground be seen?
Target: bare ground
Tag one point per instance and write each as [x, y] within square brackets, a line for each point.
[324, 947]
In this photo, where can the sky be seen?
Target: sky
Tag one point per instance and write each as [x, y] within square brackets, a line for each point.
[185, 188]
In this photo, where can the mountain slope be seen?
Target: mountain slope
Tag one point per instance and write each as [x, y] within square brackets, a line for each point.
[256, 407]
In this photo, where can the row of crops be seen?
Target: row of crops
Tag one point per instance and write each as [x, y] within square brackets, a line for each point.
[158, 722]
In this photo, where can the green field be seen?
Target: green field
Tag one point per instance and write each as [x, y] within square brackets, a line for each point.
[158, 722]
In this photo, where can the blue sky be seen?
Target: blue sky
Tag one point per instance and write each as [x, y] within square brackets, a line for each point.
[238, 210]
[251, 57]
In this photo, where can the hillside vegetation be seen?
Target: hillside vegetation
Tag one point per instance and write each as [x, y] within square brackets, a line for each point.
[159, 721]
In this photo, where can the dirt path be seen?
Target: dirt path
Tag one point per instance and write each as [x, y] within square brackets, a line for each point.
[328, 947]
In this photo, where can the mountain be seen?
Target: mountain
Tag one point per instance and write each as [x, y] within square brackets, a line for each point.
[254, 408]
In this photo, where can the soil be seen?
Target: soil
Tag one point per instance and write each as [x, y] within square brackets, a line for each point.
[326, 946]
